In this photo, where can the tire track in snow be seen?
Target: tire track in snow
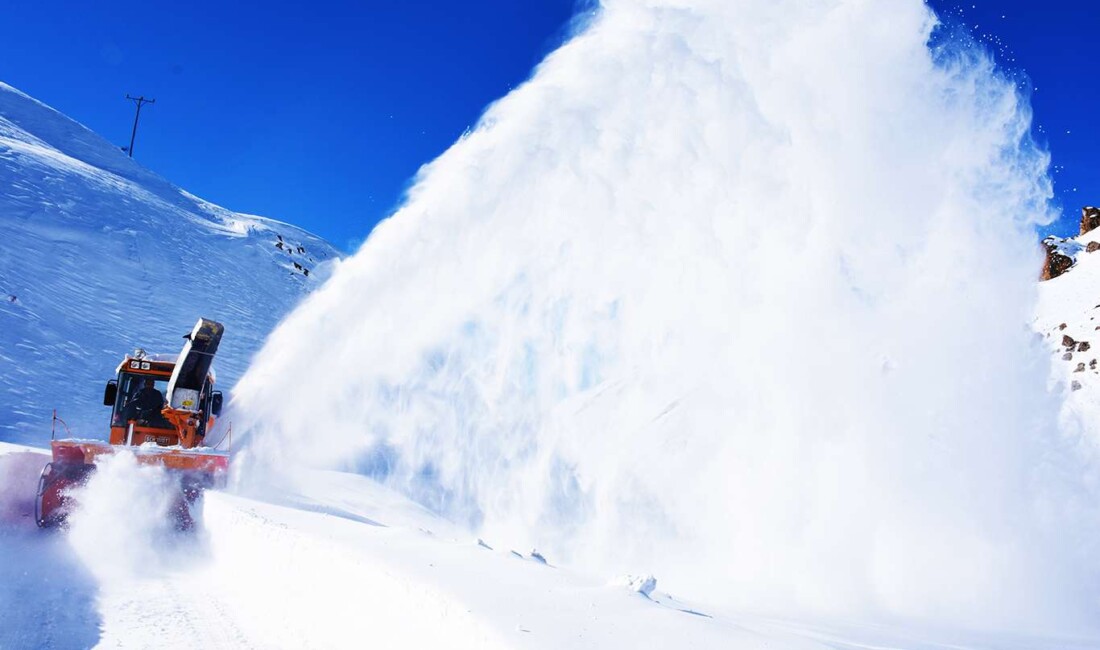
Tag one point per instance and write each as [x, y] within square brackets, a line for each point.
[177, 611]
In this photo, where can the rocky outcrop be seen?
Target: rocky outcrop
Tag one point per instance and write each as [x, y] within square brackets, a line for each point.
[1090, 219]
[1061, 252]
[1057, 261]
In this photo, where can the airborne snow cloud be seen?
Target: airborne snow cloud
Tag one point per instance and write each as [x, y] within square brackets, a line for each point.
[734, 293]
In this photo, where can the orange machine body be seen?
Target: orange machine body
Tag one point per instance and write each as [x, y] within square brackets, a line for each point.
[173, 439]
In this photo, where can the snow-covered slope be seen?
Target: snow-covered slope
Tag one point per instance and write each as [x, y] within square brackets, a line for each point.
[98, 255]
[1068, 318]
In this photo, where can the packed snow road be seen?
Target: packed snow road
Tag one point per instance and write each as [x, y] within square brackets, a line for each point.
[337, 562]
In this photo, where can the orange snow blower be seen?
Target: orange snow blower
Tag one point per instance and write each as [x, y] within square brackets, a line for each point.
[162, 408]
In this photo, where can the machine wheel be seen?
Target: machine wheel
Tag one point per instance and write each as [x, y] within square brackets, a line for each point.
[188, 502]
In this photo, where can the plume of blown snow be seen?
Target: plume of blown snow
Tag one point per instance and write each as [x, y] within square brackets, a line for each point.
[122, 527]
[730, 292]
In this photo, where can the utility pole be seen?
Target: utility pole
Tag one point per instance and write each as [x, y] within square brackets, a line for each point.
[139, 101]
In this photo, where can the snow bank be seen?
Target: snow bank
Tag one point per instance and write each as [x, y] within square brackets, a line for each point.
[47, 598]
[734, 293]
[19, 472]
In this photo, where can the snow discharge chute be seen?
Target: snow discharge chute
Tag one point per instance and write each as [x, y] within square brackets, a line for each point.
[735, 293]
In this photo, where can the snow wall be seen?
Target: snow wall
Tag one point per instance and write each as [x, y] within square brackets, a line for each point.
[735, 293]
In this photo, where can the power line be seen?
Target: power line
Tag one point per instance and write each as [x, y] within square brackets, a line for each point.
[139, 101]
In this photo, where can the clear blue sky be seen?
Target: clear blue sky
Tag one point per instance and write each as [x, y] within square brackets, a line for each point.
[1055, 43]
[319, 113]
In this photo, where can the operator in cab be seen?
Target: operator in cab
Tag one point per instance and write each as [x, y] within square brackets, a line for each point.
[145, 404]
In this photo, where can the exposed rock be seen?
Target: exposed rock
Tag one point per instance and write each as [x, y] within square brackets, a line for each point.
[1080, 367]
[1092, 364]
[1056, 262]
[1092, 247]
[1090, 219]
[1083, 346]
[1076, 385]
[1067, 356]
[1067, 341]
[1063, 325]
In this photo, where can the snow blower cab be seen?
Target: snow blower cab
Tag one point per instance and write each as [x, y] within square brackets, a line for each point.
[165, 400]
[162, 408]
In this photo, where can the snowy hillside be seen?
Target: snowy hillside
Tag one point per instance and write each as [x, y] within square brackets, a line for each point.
[100, 256]
[1068, 318]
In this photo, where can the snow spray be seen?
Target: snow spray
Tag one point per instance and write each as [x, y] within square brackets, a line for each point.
[734, 293]
[122, 527]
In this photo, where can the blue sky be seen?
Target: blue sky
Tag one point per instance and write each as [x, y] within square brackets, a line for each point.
[1054, 42]
[319, 113]
[315, 113]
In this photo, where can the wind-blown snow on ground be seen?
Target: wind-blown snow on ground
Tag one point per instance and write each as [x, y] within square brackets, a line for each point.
[101, 256]
[731, 293]
[341, 561]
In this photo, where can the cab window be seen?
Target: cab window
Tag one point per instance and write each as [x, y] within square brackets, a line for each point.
[128, 404]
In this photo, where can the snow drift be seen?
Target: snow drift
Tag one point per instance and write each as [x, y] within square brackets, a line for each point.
[734, 293]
